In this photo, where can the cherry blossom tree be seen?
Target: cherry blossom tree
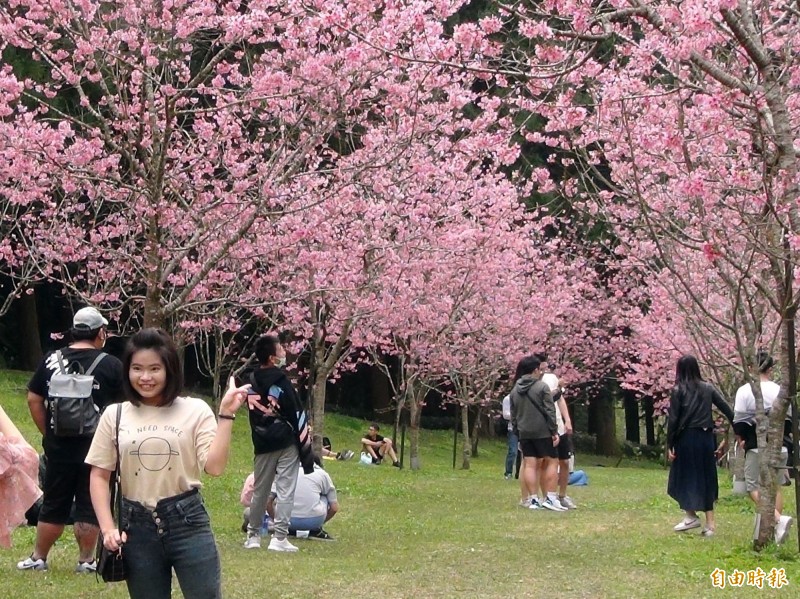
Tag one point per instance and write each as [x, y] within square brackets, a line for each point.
[157, 140]
[676, 122]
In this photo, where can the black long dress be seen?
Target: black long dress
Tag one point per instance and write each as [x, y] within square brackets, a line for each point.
[690, 433]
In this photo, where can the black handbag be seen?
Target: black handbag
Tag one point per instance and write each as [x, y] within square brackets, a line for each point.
[111, 564]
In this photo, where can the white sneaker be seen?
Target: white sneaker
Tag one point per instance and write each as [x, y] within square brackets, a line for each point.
[281, 545]
[567, 502]
[252, 542]
[86, 567]
[549, 504]
[526, 503]
[686, 524]
[782, 529]
[32, 564]
[534, 504]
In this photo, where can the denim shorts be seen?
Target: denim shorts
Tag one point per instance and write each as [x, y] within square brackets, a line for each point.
[177, 536]
[314, 523]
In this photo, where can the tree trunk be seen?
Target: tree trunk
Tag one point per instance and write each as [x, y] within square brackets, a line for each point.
[649, 421]
[30, 342]
[218, 385]
[770, 454]
[466, 448]
[415, 414]
[318, 407]
[380, 389]
[153, 315]
[631, 416]
[735, 461]
[476, 429]
[770, 440]
[605, 425]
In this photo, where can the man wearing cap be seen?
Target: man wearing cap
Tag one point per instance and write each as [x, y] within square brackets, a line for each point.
[744, 425]
[67, 476]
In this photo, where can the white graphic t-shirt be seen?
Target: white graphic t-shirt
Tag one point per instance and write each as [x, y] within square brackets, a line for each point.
[551, 381]
[308, 494]
[163, 450]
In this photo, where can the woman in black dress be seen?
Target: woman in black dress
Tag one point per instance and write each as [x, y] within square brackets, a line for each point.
[691, 447]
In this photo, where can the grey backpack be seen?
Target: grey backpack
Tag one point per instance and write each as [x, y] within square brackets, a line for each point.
[72, 408]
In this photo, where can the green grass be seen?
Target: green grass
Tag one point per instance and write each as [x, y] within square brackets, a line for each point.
[441, 532]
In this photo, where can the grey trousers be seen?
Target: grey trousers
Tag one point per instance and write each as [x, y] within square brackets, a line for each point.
[281, 467]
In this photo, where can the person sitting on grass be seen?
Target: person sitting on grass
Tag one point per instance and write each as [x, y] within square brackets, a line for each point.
[315, 503]
[378, 447]
[329, 454]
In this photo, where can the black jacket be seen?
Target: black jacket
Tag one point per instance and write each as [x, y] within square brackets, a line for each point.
[691, 408]
[274, 431]
[287, 424]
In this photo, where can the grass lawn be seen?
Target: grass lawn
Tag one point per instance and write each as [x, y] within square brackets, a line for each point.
[441, 532]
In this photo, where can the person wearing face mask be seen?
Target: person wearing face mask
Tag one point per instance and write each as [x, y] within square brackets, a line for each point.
[67, 476]
[281, 443]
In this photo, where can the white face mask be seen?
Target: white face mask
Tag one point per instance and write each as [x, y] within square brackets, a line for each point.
[280, 362]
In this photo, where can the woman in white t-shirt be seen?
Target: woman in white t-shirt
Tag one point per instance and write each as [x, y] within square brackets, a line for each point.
[166, 442]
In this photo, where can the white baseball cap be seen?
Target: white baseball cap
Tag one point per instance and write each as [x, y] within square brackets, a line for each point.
[88, 319]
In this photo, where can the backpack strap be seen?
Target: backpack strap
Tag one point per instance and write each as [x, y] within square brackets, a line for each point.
[97, 360]
[60, 362]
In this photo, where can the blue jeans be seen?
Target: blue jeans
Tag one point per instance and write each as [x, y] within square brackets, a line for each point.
[296, 524]
[513, 443]
[176, 535]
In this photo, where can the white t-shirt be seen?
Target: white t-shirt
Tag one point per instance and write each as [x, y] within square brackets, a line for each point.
[311, 488]
[551, 380]
[507, 410]
[745, 401]
[163, 449]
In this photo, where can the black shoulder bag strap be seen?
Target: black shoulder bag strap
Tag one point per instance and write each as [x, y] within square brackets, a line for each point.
[116, 489]
[114, 573]
[536, 405]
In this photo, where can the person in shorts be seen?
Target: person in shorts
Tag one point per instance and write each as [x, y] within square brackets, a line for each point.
[744, 425]
[67, 476]
[533, 417]
[378, 447]
[559, 478]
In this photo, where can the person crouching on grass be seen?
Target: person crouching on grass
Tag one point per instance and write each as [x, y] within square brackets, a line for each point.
[166, 442]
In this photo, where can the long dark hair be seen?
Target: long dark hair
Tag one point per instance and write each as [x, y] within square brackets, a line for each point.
[687, 373]
[161, 343]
